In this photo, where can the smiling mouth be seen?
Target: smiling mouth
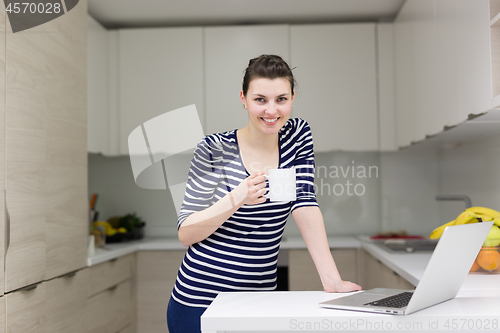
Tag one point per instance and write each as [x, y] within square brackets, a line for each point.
[270, 121]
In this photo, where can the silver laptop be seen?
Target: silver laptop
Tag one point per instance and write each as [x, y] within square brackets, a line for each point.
[444, 275]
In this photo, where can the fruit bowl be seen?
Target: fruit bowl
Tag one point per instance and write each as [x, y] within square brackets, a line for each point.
[488, 259]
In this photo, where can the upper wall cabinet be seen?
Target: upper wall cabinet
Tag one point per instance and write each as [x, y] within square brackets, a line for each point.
[153, 71]
[97, 87]
[227, 52]
[337, 87]
[160, 70]
[443, 68]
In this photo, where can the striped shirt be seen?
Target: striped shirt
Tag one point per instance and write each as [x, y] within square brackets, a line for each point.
[242, 254]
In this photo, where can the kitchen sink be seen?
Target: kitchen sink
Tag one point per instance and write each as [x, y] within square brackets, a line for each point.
[407, 245]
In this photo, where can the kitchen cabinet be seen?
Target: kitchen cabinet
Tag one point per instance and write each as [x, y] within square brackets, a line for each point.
[45, 152]
[226, 56]
[495, 50]
[377, 275]
[111, 295]
[66, 303]
[25, 310]
[443, 67]
[160, 70]
[337, 76]
[3, 211]
[303, 275]
[2, 314]
[98, 78]
[156, 275]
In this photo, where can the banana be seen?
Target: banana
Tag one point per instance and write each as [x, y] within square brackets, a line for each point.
[485, 211]
[497, 221]
[436, 233]
[485, 218]
[466, 217]
[493, 238]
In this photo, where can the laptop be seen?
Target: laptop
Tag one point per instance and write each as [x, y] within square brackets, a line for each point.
[445, 273]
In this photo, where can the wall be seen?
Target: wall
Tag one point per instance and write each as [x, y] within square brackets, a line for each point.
[472, 169]
[387, 191]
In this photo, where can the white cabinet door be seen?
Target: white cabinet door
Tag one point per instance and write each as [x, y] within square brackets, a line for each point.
[473, 33]
[443, 69]
[160, 70]
[227, 52]
[336, 74]
[97, 87]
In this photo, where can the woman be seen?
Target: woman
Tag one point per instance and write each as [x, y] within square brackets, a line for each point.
[233, 231]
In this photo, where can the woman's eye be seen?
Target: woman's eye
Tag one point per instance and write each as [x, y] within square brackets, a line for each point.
[259, 99]
[282, 99]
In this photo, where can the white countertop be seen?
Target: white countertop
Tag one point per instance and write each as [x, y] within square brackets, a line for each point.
[299, 311]
[476, 306]
[115, 250]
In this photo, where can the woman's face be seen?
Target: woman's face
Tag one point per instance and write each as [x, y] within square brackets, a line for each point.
[269, 103]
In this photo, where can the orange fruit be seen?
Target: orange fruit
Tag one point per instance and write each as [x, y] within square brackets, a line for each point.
[475, 267]
[488, 258]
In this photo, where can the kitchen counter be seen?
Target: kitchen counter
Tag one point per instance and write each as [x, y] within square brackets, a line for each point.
[299, 311]
[476, 307]
[116, 250]
[411, 266]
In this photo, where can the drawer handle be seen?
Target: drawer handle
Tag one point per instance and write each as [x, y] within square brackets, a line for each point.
[69, 275]
[395, 273]
[30, 287]
[113, 288]
[113, 260]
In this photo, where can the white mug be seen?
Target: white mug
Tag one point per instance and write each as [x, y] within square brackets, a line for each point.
[282, 185]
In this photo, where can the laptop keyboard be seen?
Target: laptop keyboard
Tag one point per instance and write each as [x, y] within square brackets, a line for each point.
[395, 301]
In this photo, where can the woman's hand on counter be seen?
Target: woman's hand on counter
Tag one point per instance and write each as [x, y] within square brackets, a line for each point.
[341, 287]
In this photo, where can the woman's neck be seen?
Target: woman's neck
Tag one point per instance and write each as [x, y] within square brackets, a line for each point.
[258, 140]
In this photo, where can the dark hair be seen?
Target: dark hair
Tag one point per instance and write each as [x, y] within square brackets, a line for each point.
[267, 66]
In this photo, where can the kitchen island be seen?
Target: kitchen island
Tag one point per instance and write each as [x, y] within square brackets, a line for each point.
[476, 307]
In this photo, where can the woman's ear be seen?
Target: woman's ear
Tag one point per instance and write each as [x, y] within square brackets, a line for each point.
[243, 99]
[293, 95]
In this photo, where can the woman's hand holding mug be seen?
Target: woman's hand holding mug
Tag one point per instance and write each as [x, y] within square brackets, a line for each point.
[251, 191]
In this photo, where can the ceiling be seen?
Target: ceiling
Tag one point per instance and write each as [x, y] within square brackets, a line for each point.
[115, 14]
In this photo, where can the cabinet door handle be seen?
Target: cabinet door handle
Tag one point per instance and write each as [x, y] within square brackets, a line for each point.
[113, 288]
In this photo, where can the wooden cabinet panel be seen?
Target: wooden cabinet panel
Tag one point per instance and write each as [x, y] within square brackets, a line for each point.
[303, 274]
[111, 310]
[227, 52]
[26, 310]
[3, 214]
[377, 275]
[65, 172]
[25, 152]
[336, 73]
[46, 154]
[156, 275]
[161, 70]
[2, 314]
[109, 273]
[66, 303]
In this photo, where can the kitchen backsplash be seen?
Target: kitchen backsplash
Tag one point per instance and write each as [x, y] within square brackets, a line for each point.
[358, 193]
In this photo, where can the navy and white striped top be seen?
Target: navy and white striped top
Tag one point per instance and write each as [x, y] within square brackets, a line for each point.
[241, 255]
